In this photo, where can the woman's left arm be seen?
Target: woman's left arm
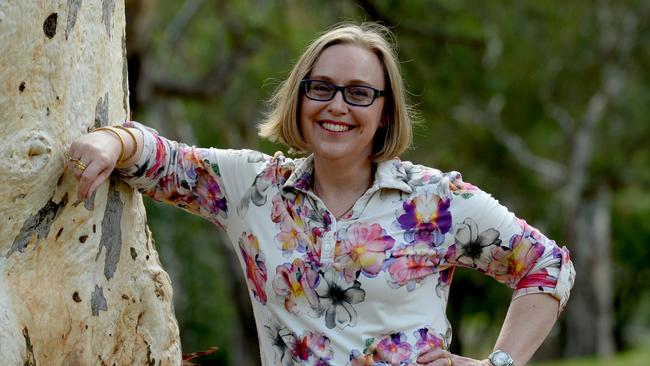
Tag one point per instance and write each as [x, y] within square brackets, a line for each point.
[490, 239]
[529, 320]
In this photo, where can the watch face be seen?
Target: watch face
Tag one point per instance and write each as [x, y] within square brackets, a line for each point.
[500, 358]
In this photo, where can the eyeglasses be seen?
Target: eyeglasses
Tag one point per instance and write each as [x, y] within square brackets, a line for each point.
[323, 91]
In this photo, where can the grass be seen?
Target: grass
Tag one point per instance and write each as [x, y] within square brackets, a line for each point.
[639, 357]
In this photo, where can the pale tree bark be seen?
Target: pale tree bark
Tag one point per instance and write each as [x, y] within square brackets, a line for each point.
[80, 282]
[591, 322]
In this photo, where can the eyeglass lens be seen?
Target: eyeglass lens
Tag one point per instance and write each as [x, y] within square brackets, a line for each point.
[352, 94]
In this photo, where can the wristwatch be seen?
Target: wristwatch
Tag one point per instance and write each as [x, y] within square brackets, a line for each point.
[501, 358]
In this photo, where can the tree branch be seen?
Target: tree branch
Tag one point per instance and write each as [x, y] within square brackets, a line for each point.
[214, 82]
[433, 35]
[180, 22]
[549, 170]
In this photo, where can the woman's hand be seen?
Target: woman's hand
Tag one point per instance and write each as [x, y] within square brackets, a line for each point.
[92, 158]
[440, 357]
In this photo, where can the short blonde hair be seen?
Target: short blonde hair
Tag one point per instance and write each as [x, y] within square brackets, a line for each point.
[282, 122]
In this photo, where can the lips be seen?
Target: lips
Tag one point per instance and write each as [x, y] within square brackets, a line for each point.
[334, 126]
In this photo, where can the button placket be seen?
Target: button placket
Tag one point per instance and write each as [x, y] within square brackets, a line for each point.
[329, 243]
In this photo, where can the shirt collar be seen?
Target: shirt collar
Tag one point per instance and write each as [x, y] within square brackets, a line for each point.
[390, 174]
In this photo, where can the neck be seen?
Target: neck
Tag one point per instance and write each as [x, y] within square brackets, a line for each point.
[342, 176]
[340, 183]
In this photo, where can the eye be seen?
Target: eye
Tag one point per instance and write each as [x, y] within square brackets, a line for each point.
[359, 92]
[321, 87]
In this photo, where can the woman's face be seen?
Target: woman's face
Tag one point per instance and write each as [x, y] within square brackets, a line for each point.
[336, 130]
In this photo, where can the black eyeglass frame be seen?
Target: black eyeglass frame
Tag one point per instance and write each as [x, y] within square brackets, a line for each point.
[376, 92]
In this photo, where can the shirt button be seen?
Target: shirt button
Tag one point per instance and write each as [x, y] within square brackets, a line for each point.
[328, 246]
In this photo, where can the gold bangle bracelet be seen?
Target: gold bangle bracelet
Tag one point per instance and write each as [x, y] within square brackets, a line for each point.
[135, 143]
[108, 129]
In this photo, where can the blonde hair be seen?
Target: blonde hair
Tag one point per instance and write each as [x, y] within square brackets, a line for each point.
[282, 124]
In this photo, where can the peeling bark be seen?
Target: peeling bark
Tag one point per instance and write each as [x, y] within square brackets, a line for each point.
[73, 10]
[98, 301]
[111, 232]
[101, 111]
[37, 225]
[108, 8]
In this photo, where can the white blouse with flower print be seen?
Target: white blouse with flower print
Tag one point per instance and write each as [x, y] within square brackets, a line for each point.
[370, 288]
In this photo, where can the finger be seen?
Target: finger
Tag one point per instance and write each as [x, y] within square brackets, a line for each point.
[435, 355]
[101, 178]
[77, 167]
[440, 362]
[88, 176]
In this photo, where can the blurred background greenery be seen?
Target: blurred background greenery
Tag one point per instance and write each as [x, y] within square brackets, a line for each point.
[544, 104]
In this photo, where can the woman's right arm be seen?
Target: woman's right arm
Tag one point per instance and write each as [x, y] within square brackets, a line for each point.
[168, 171]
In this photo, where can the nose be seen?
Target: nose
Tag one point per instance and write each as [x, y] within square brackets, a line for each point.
[337, 104]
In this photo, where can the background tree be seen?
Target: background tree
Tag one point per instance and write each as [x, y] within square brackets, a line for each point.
[80, 282]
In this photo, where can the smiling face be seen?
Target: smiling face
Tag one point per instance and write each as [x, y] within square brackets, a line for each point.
[335, 130]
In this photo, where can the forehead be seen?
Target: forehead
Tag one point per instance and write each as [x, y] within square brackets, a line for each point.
[349, 63]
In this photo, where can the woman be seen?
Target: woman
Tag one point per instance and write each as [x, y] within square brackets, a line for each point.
[348, 253]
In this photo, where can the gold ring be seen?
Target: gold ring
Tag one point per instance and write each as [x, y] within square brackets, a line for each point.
[80, 165]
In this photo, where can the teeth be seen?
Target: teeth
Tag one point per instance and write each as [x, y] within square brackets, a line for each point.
[335, 127]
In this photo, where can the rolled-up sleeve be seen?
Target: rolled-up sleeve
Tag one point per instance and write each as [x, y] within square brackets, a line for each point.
[489, 238]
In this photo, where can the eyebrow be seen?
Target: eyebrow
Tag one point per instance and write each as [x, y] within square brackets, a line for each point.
[350, 82]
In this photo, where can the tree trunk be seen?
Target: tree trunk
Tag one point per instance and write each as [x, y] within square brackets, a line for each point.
[590, 316]
[80, 282]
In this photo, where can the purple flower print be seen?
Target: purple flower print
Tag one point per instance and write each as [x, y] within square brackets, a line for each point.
[426, 219]
[427, 339]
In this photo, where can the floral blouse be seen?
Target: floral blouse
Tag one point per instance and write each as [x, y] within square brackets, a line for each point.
[370, 288]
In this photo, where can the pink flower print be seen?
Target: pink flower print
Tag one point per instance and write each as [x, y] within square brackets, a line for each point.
[427, 339]
[159, 160]
[295, 283]
[311, 346]
[249, 248]
[510, 265]
[291, 237]
[537, 279]
[299, 349]
[458, 186]
[362, 249]
[208, 192]
[278, 209]
[319, 348]
[426, 219]
[314, 246]
[360, 359]
[394, 349]
[412, 265]
[473, 247]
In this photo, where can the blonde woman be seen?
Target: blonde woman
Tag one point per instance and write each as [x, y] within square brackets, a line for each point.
[348, 252]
